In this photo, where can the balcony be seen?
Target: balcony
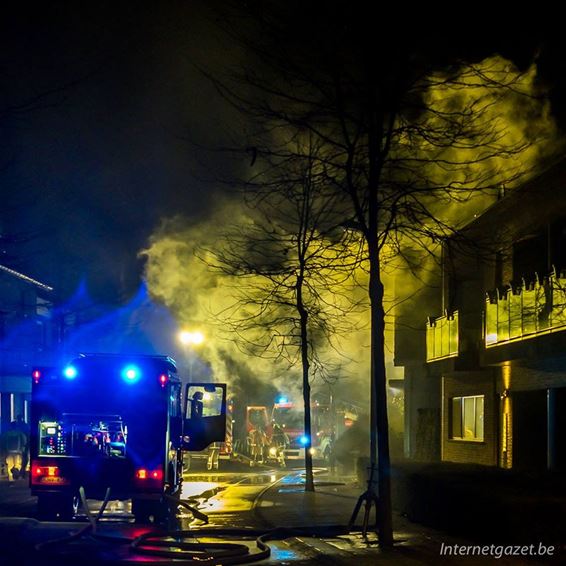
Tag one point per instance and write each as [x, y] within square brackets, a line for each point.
[442, 337]
[526, 312]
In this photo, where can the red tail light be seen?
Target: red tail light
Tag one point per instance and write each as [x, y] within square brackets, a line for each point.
[49, 471]
[163, 379]
[141, 474]
[36, 374]
[41, 474]
[149, 478]
[157, 475]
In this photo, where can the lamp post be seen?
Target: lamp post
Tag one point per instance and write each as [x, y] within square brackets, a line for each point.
[189, 340]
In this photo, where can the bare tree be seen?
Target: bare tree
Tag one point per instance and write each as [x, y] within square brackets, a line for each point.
[290, 265]
[405, 133]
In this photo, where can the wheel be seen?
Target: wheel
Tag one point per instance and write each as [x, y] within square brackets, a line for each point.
[58, 507]
[150, 511]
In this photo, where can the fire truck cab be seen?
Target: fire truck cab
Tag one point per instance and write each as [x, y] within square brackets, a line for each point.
[117, 422]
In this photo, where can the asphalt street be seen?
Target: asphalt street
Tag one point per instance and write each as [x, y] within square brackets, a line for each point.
[239, 504]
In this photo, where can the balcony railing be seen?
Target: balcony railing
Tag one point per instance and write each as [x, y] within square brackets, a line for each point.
[442, 337]
[527, 311]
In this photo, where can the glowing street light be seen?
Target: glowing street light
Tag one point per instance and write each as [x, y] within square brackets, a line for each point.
[191, 338]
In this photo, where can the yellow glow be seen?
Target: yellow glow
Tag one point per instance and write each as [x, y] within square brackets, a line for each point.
[196, 488]
[506, 420]
[191, 338]
[506, 375]
[491, 338]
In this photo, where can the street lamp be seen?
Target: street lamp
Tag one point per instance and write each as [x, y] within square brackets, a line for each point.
[189, 340]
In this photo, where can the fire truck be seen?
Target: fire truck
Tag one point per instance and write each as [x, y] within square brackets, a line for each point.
[327, 422]
[117, 422]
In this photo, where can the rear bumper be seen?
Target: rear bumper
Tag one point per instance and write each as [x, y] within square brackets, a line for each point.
[65, 476]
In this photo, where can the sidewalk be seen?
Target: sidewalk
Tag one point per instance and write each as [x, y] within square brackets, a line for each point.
[286, 504]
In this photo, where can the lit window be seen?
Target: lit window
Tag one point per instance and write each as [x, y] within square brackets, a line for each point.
[467, 418]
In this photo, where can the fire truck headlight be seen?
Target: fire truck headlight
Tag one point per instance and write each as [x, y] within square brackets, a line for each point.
[273, 451]
[70, 372]
[131, 374]
[312, 452]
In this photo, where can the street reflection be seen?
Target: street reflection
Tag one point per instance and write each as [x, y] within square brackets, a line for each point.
[226, 493]
[199, 489]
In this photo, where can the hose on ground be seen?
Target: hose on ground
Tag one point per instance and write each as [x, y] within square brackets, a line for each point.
[91, 527]
[180, 547]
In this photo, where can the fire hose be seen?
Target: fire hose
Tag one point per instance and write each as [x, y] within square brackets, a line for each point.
[173, 546]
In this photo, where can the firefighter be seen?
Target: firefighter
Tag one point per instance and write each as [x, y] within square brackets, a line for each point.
[197, 405]
[256, 441]
[13, 447]
[279, 441]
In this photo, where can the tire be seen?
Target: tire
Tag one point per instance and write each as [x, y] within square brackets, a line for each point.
[56, 507]
[150, 511]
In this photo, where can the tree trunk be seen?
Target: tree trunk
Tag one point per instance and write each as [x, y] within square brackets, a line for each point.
[309, 478]
[379, 421]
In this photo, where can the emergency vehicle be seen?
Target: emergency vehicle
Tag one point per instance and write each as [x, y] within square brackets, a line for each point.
[118, 422]
[327, 422]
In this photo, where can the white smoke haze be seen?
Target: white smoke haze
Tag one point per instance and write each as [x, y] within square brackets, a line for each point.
[178, 275]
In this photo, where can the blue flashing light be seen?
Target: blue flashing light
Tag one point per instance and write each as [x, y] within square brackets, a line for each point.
[304, 440]
[282, 400]
[70, 372]
[130, 374]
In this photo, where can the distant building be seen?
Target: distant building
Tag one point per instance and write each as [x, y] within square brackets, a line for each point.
[485, 381]
[26, 339]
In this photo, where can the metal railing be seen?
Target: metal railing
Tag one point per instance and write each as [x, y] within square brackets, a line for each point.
[518, 313]
[442, 337]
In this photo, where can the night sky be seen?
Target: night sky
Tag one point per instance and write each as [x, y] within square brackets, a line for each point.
[100, 106]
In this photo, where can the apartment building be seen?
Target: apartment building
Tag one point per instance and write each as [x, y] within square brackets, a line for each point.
[485, 380]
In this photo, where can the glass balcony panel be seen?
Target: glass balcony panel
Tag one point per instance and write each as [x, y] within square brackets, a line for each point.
[430, 334]
[515, 315]
[502, 320]
[542, 312]
[558, 312]
[438, 338]
[442, 337]
[490, 322]
[529, 312]
[453, 346]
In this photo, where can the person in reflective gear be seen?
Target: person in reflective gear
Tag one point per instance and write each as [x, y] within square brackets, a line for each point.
[256, 442]
[13, 447]
[279, 441]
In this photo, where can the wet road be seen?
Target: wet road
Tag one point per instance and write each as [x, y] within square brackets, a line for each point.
[231, 499]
